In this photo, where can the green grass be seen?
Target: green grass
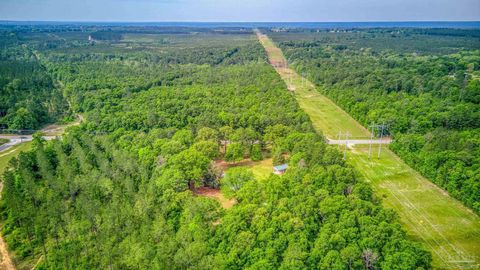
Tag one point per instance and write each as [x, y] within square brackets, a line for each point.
[261, 169]
[8, 154]
[337, 119]
[3, 141]
[447, 228]
[442, 224]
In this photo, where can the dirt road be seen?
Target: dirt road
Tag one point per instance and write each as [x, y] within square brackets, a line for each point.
[17, 139]
[51, 132]
[5, 260]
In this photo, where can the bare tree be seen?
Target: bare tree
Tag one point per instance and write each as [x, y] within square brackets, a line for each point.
[369, 258]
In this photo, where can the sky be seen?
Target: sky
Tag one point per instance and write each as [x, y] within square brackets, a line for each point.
[240, 10]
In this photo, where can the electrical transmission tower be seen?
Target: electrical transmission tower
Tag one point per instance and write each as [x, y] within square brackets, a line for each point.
[339, 138]
[381, 129]
[371, 141]
[346, 145]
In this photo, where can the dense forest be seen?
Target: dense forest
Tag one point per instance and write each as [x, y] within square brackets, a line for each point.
[160, 108]
[428, 95]
[28, 95]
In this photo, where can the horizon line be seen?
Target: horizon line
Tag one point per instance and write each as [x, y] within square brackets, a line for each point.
[194, 21]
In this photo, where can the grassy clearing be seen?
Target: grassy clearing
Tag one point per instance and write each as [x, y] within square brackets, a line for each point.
[339, 121]
[442, 224]
[8, 154]
[274, 53]
[261, 169]
[3, 141]
[430, 215]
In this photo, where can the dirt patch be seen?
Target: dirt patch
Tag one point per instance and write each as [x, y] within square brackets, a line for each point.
[5, 260]
[223, 165]
[56, 129]
[215, 194]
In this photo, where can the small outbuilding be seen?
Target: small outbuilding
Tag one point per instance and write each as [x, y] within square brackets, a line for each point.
[280, 169]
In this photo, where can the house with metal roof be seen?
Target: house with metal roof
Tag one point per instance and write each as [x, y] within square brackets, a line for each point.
[280, 169]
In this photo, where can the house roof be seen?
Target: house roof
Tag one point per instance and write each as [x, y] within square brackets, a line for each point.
[280, 167]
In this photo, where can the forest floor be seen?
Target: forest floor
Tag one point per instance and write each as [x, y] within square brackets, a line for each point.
[215, 194]
[449, 230]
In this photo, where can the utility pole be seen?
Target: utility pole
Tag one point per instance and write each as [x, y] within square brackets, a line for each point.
[346, 145]
[371, 141]
[339, 136]
[381, 137]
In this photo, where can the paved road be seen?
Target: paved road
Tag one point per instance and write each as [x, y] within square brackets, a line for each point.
[17, 139]
[354, 141]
